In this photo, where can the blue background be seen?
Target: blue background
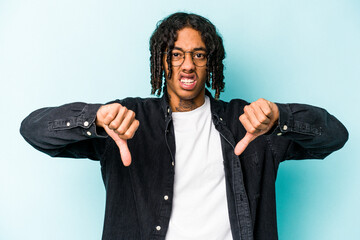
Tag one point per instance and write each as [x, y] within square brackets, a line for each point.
[54, 52]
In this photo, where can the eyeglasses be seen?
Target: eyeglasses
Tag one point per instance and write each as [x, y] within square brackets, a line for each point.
[177, 56]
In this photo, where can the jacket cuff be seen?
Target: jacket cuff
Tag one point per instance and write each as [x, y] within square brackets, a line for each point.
[285, 118]
[84, 116]
[87, 121]
[288, 123]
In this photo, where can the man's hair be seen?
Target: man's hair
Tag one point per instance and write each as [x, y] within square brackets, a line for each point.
[163, 39]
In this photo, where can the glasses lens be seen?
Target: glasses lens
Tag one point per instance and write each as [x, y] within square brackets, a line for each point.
[177, 58]
[199, 58]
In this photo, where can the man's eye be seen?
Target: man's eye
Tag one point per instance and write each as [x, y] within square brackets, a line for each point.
[199, 55]
[176, 55]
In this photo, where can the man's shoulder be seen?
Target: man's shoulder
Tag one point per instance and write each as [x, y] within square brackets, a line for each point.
[139, 104]
[229, 105]
[137, 100]
[238, 101]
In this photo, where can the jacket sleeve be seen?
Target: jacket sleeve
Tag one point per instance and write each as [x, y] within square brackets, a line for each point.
[65, 131]
[306, 132]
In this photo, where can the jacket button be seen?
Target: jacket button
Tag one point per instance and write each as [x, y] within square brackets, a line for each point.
[172, 163]
[166, 197]
[285, 127]
[86, 123]
[88, 133]
[68, 124]
[158, 228]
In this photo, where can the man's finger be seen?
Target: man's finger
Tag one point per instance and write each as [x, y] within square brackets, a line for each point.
[249, 113]
[120, 115]
[132, 129]
[122, 145]
[243, 143]
[247, 124]
[261, 112]
[265, 107]
[126, 123]
[109, 112]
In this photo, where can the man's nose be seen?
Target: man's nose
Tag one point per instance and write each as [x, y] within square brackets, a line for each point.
[188, 63]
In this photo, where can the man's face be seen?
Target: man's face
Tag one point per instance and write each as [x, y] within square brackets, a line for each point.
[187, 83]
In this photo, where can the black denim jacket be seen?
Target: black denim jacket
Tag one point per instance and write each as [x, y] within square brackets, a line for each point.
[139, 197]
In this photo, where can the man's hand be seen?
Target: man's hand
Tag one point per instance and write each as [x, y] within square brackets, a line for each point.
[120, 124]
[258, 118]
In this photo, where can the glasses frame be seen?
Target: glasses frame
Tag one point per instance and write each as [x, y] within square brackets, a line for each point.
[192, 57]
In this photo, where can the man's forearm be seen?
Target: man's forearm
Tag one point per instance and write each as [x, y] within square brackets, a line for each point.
[313, 128]
[55, 130]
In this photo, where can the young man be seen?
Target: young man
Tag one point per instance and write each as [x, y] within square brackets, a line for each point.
[190, 166]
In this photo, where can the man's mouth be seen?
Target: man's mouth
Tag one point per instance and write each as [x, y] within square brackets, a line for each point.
[187, 81]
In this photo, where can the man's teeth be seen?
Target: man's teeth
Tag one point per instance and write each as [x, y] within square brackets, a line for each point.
[187, 81]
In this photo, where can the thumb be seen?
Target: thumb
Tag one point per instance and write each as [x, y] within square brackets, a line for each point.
[124, 151]
[243, 143]
[122, 145]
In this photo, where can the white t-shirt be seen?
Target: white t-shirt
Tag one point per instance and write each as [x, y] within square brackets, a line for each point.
[200, 208]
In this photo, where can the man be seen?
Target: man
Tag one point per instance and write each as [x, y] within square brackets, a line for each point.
[190, 166]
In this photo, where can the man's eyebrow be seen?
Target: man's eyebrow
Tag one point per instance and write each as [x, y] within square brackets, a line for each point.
[195, 49]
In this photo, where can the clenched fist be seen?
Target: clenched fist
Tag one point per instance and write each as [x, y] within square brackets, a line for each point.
[120, 124]
[258, 118]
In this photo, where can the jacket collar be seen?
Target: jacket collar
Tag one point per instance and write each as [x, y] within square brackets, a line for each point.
[165, 105]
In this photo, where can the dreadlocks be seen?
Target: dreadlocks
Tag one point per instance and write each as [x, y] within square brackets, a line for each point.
[163, 39]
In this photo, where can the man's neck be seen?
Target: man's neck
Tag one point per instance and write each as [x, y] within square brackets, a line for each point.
[183, 105]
